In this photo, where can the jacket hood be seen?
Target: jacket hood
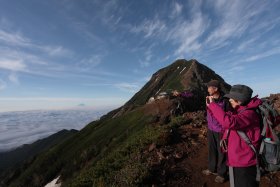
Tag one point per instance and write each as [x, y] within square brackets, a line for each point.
[253, 104]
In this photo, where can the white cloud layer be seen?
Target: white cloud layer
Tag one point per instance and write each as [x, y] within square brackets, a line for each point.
[18, 128]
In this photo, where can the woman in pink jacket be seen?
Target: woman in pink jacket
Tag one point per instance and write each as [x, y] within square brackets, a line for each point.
[240, 157]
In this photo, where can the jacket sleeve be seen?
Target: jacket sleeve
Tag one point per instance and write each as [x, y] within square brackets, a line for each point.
[186, 94]
[230, 120]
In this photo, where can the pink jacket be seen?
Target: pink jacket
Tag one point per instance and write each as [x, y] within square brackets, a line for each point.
[248, 121]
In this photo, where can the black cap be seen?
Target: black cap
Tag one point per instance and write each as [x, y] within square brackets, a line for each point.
[214, 83]
[240, 92]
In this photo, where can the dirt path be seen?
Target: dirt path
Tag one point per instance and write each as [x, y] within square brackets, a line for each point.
[198, 162]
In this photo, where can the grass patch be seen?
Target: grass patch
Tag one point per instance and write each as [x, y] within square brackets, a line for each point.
[123, 166]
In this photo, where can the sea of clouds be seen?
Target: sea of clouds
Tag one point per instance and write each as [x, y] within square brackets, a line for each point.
[18, 128]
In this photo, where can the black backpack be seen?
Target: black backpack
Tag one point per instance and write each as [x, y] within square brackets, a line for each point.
[268, 156]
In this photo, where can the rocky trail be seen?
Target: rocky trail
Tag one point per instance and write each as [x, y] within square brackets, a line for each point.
[180, 160]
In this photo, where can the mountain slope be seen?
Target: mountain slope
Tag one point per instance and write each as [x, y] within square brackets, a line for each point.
[100, 151]
[17, 156]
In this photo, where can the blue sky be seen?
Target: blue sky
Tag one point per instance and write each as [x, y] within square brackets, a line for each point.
[94, 53]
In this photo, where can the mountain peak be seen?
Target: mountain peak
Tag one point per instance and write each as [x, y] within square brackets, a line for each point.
[185, 75]
[181, 75]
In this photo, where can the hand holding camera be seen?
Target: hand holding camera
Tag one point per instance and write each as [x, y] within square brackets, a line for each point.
[209, 99]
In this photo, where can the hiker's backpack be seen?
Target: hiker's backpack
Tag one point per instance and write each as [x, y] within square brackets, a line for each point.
[270, 145]
[269, 153]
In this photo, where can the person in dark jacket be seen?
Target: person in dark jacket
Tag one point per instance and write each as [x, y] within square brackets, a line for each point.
[183, 102]
[241, 159]
[216, 158]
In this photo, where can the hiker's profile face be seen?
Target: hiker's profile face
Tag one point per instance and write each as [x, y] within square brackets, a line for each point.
[212, 90]
[234, 103]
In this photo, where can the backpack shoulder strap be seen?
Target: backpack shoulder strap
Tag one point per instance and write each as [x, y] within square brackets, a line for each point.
[247, 140]
[249, 143]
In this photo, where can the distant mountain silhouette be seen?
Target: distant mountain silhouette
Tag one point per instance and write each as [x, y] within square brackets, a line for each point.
[27, 151]
[108, 151]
